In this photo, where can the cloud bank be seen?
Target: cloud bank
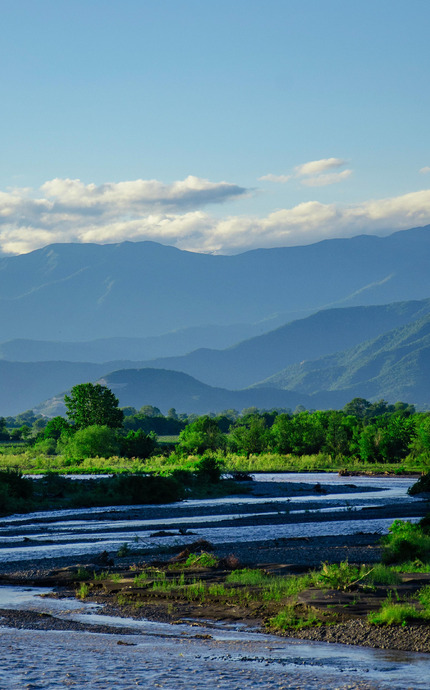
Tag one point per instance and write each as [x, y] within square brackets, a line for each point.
[70, 211]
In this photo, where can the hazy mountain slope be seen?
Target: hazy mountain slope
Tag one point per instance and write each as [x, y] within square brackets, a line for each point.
[136, 349]
[83, 292]
[26, 384]
[322, 333]
[395, 366]
[166, 389]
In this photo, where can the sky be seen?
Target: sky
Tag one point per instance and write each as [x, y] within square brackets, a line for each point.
[212, 126]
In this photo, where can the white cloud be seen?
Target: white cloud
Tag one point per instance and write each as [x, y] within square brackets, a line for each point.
[324, 180]
[313, 174]
[425, 170]
[193, 191]
[70, 211]
[275, 178]
[317, 167]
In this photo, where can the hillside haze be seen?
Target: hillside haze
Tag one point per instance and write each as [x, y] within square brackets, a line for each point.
[394, 366]
[301, 343]
[325, 332]
[140, 289]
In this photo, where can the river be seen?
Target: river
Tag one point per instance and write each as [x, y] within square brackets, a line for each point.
[151, 655]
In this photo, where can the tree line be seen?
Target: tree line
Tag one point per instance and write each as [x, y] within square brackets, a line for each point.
[94, 425]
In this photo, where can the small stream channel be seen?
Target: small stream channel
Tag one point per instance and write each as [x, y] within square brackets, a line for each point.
[158, 655]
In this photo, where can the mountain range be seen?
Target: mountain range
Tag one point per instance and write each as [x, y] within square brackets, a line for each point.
[82, 292]
[140, 317]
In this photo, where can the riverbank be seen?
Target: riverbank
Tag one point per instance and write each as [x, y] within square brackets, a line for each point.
[342, 615]
[332, 605]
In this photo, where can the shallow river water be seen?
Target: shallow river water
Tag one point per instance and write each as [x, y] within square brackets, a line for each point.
[160, 655]
[224, 520]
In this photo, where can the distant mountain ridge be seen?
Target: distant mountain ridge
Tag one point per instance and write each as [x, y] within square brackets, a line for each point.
[394, 366]
[102, 350]
[315, 380]
[85, 291]
[325, 332]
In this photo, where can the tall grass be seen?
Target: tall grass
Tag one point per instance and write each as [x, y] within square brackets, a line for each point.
[31, 461]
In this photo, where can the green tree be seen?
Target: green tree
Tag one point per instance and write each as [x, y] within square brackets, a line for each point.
[4, 434]
[251, 437]
[55, 427]
[359, 407]
[281, 434]
[90, 404]
[137, 444]
[199, 436]
[369, 443]
[339, 433]
[150, 411]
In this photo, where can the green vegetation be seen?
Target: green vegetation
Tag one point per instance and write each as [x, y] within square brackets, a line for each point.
[83, 591]
[202, 560]
[92, 404]
[18, 494]
[400, 613]
[99, 437]
[290, 618]
[407, 542]
[276, 598]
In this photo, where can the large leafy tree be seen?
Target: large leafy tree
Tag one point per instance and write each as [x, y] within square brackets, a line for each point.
[92, 404]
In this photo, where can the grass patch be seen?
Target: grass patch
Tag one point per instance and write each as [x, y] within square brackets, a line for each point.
[416, 566]
[290, 617]
[423, 596]
[247, 576]
[399, 613]
[218, 590]
[202, 560]
[195, 591]
[83, 591]
[141, 579]
[382, 574]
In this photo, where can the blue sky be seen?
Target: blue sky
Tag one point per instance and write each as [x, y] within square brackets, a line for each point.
[193, 123]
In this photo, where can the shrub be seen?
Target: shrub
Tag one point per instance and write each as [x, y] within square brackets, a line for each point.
[91, 442]
[338, 576]
[420, 486]
[209, 470]
[406, 542]
[202, 560]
